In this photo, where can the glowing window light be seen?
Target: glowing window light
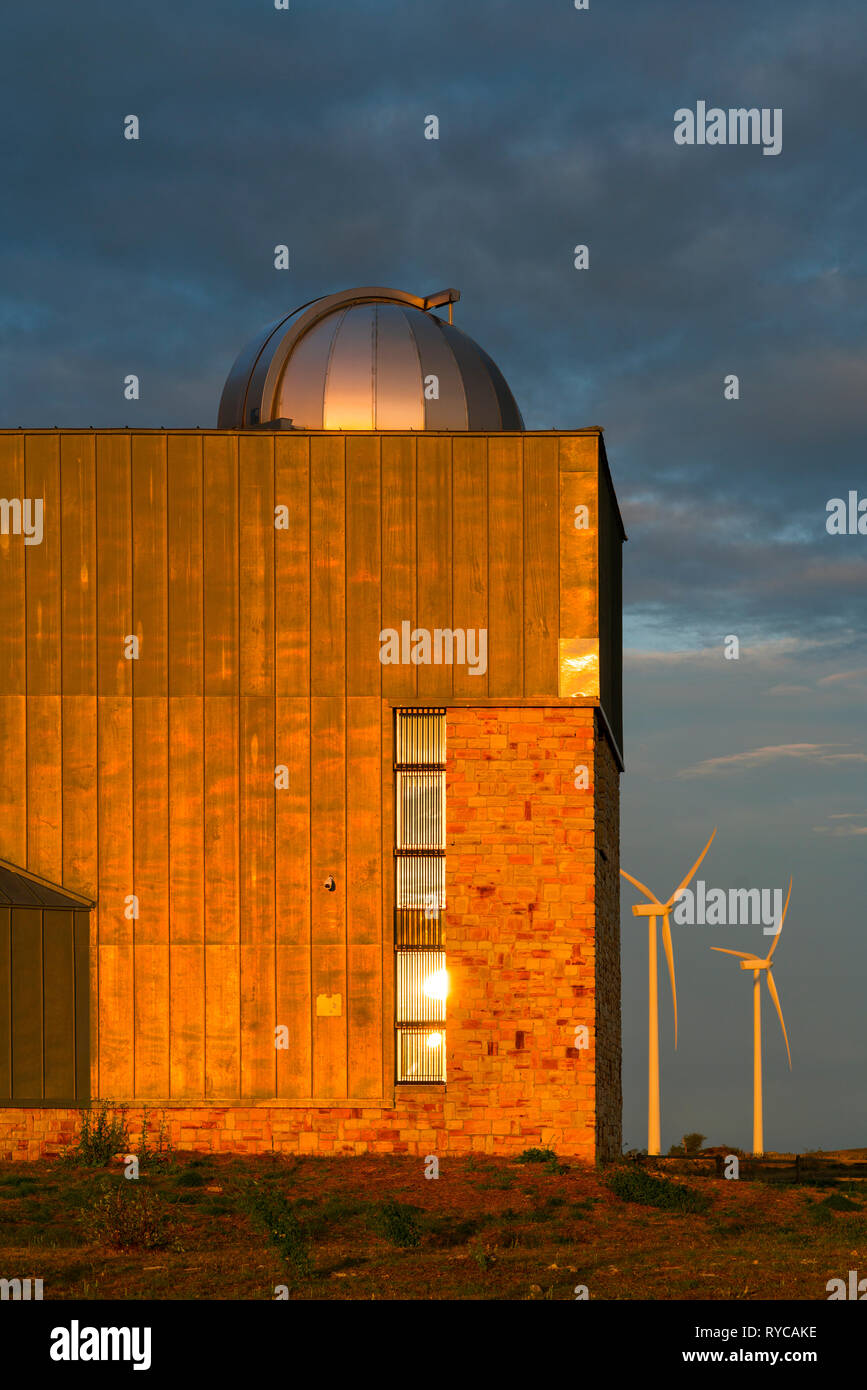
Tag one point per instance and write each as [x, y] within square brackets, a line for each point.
[436, 985]
[435, 1040]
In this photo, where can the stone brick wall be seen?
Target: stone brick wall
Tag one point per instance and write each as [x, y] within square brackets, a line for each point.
[532, 944]
[520, 940]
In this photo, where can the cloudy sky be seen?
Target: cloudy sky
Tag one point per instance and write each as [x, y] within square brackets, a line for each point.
[305, 127]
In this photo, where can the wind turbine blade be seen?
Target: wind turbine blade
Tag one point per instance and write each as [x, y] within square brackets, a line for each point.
[640, 886]
[669, 956]
[683, 884]
[744, 955]
[776, 998]
[782, 920]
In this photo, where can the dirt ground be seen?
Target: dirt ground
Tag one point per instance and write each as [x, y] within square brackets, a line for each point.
[484, 1229]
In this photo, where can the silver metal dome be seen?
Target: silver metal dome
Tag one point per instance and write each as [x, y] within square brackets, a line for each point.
[367, 359]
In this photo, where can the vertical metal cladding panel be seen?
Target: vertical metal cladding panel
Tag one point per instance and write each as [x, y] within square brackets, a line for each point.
[258, 961]
[470, 554]
[292, 568]
[44, 758]
[222, 766]
[114, 733]
[150, 763]
[611, 538]
[5, 1004]
[434, 538]
[399, 555]
[58, 1002]
[186, 986]
[328, 763]
[541, 566]
[328, 916]
[13, 666]
[294, 879]
[27, 1040]
[44, 1006]
[82, 956]
[78, 665]
[364, 896]
[505, 567]
[363, 812]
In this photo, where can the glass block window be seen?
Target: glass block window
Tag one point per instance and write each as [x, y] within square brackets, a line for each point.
[421, 1055]
[421, 980]
[420, 810]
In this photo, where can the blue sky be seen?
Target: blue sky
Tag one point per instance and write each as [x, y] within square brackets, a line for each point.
[305, 127]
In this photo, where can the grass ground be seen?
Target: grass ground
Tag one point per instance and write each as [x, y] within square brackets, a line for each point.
[362, 1228]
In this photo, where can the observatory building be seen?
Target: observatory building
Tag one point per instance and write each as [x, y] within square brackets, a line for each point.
[310, 728]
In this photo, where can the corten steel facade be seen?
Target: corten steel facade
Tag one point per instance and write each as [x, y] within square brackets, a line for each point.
[148, 785]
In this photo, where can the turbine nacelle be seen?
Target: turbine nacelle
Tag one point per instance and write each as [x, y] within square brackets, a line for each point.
[747, 960]
[653, 909]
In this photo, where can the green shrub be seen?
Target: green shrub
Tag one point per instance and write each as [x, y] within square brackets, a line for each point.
[820, 1214]
[496, 1181]
[728, 1228]
[635, 1185]
[799, 1239]
[191, 1177]
[396, 1223]
[547, 1211]
[532, 1239]
[689, 1145]
[508, 1237]
[444, 1232]
[216, 1206]
[126, 1217]
[20, 1183]
[537, 1156]
[104, 1133]
[331, 1216]
[162, 1151]
[482, 1257]
[839, 1202]
[275, 1214]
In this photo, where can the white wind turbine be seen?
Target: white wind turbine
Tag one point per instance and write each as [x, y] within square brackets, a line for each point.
[750, 961]
[653, 909]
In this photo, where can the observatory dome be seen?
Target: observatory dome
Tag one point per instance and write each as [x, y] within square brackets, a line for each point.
[367, 359]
